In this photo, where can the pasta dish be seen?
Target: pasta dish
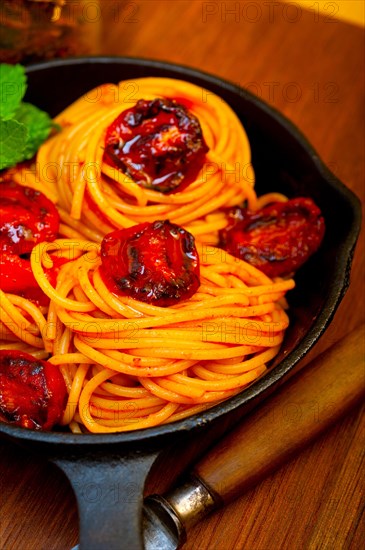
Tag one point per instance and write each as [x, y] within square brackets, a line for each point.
[143, 280]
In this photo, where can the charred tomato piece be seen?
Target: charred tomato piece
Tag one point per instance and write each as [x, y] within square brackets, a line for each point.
[17, 277]
[32, 392]
[16, 274]
[27, 217]
[154, 262]
[159, 144]
[277, 239]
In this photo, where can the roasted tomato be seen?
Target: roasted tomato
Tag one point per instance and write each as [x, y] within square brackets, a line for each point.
[158, 144]
[16, 274]
[17, 277]
[277, 239]
[32, 392]
[27, 217]
[153, 262]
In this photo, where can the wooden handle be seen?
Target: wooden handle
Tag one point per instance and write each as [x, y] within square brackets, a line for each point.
[302, 409]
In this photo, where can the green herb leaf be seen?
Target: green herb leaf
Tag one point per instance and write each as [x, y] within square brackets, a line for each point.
[13, 83]
[39, 125]
[28, 127]
[13, 140]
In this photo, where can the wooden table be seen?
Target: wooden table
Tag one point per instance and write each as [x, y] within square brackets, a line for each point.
[310, 67]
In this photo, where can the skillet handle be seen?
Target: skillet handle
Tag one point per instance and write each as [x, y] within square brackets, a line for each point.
[109, 493]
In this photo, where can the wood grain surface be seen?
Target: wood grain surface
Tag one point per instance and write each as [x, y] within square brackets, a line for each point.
[311, 68]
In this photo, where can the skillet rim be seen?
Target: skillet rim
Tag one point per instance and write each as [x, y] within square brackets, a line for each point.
[266, 383]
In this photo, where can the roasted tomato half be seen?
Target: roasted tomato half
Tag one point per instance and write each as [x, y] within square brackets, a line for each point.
[154, 262]
[32, 392]
[159, 144]
[27, 217]
[277, 239]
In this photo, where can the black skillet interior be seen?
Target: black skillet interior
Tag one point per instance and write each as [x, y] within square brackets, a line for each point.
[283, 161]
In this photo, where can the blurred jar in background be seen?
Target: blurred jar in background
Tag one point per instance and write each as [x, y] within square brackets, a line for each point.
[36, 30]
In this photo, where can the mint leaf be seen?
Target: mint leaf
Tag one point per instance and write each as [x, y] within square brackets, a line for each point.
[13, 139]
[13, 83]
[24, 127]
[38, 124]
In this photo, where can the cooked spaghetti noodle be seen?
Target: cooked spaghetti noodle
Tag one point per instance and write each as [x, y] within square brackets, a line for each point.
[130, 365]
[23, 326]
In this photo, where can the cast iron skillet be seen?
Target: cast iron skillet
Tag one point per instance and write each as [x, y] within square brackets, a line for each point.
[108, 472]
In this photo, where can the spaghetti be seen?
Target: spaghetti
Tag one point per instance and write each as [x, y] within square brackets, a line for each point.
[127, 363]
[131, 365]
[94, 197]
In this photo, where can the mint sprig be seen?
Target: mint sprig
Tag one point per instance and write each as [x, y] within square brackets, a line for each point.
[13, 83]
[13, 136]
[23, 127]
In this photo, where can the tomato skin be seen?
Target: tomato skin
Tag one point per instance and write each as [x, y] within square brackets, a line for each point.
[158, 143]
[154, 262]
[16, 274]
[33, 393]
[277, 239]
[17, 277]
[27, 217]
